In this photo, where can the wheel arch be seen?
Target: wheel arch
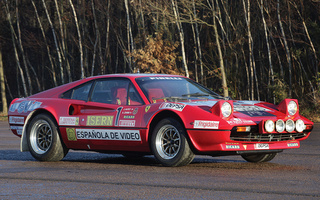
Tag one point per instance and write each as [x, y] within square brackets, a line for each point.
[165, 114]
[23, 143]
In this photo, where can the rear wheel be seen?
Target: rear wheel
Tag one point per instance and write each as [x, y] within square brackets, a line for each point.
[43, 139]
[257, 158]
[169, 143]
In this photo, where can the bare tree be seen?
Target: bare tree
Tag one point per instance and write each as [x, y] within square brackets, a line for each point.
[53, 72]
[181, 35]
[55, 41]
[80, 39]
[286, 49]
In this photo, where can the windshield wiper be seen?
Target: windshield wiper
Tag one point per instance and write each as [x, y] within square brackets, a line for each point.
[197, 94]
[171, 98]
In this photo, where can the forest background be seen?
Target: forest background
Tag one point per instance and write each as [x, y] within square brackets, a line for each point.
[246, 49]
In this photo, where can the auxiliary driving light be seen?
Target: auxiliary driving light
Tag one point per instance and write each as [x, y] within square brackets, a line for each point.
[280, 126]
[269, 126]
[300, 127]
[290, 125]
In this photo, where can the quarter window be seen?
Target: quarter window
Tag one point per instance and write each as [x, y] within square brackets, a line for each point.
[78, 93]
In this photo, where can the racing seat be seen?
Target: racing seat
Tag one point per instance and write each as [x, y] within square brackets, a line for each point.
[154, 94]
[119, 96]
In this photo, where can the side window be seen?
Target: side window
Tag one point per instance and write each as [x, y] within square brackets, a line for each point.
[111, 91]
[79, 93]
[134, 97]
[82, 92]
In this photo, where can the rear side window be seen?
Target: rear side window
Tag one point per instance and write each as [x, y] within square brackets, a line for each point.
[79, 93]
[111, 91]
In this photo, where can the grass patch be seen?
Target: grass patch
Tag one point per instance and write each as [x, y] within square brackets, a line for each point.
[3, 117]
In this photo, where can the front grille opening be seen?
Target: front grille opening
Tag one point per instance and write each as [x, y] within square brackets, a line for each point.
[255, 136]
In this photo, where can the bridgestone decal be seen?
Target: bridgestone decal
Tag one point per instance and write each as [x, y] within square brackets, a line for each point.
[100, 134]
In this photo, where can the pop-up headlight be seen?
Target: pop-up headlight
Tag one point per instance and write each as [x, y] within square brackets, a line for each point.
[223, 109]
[289, 106]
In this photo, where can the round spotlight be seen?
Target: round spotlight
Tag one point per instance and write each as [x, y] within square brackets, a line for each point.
[280, 126]
[292, 108]
[226, 109]
[290, 125]
[300, 125]
[269, 126]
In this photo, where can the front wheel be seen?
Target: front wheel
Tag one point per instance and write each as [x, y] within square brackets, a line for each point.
[169, 144]
[258, 158]
[43, 139]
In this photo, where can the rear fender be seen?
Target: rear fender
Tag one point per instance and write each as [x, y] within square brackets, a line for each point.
[23, 143]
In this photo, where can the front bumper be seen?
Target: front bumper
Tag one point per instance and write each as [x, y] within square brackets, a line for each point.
[219, 140]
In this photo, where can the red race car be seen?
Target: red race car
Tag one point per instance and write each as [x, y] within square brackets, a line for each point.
[169, 116]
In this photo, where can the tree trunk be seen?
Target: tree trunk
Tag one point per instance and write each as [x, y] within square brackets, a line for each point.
[129, 36]
[55, 40]
[286, 49]
[53, 72]
[80, 40]
[3, 87]
[63, 52]
[221, 63]
[198, 42]
[310, 41]
[24, 59]
[268, 48]
[181, 35]
[13, 37]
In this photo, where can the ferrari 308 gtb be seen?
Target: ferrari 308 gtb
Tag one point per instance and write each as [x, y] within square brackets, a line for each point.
[169, 116]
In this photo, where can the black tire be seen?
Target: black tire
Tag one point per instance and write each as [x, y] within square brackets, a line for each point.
[169, 144]
[44, 140]
[258, 158]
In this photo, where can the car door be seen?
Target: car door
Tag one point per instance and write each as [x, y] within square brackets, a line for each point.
[110, 119]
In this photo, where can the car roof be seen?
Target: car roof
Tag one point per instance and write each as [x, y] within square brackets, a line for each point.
[56, 91]
[136, 75]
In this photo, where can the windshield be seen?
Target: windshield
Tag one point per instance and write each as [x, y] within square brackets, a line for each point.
[175, 89]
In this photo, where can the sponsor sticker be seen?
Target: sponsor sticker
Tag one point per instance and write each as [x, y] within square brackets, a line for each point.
[71, 134]
[237, 121]
[257, 113]
[261, 146]
[174, 106]
[239, 108]
[165, 78]
[206, 124]
[69, 121]
[99, 120]
[232, 146]
[135, 111]
[128, 123]
[16, 120]
[25, 106]
[293, 144]
[147, 108]
[17, 128]
[128, 117]
[102, 134]
[252, 111]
